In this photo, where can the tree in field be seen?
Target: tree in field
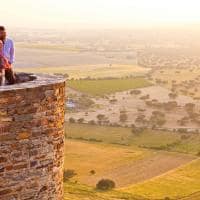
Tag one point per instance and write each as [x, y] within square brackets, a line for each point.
[68, 174]
[190, 107]
[123, 116]
[81, 120]
[72, 120]
[105, 184]
[92, 172]
[100, 117]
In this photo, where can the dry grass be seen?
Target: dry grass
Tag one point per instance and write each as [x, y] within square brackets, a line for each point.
[179, 76]
[124, 165]
[176, 184]
[84, 157]
[93, 71]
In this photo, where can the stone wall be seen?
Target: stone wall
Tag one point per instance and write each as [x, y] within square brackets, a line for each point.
[32, 139]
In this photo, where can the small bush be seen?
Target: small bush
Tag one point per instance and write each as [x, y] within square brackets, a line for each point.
[123, 117]
[198, 154]
[92, 172]
[100, 117]
[92, 122]
[68, 174]
[81, 120]
[135, 92]
[105, 184]
[112, 101]
[72, 120]
[185, 137]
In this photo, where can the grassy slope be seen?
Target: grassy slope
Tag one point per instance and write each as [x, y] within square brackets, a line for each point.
[98, 156]
[194, 196]
[102, 87]
[176, 184]
[159, 140]
[74, 191]
[182, 182]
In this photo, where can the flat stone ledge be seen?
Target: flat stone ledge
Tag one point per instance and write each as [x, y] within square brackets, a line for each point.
[33, 81]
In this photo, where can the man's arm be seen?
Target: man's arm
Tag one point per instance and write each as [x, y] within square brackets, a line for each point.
[12, 52]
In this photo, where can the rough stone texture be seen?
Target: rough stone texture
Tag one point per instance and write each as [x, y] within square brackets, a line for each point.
[32, 139]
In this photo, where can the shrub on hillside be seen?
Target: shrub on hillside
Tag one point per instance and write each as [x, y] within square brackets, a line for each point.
[172, 95]
[85, 102]
[137, 131]
[182, 130]
[68, 174]
[185, 137]
[123, 116]
[198, 154]
[92, 172]
[92, 122]
[112, 101]
[105, 184]
[135, 92]
[72, 120]
[100, 117]
[81, 120]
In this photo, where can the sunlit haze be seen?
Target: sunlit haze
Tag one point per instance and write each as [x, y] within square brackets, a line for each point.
[98, 13]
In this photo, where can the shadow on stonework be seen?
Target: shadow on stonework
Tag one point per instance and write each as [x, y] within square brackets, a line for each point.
[24, 77]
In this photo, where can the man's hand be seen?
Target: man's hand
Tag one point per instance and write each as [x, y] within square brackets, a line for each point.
[7, 64]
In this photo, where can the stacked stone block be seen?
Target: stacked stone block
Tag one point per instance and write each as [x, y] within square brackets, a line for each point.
[32, 140]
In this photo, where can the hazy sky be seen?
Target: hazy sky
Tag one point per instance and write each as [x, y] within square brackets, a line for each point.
[98, 13]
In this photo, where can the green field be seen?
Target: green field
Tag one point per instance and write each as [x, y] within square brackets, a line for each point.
[107, 86]
[149, 139]
[177, 184]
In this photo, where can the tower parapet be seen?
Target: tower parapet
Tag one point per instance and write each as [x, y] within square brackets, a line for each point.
[32, 138]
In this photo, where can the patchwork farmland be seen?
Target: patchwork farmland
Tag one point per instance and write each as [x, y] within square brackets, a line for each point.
[134, 122]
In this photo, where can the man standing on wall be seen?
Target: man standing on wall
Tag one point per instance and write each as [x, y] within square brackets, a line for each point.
[8, 53]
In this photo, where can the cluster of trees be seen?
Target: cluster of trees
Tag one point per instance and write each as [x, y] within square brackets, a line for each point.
[135, 92]
[171, 105]
[192, 115]
[157, 119]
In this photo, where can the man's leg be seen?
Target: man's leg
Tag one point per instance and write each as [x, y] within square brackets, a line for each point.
[10, 76]
[1, 76]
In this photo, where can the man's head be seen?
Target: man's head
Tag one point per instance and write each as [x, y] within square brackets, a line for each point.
[2, 33]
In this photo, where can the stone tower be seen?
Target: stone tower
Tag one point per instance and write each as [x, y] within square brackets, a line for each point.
[32, 139]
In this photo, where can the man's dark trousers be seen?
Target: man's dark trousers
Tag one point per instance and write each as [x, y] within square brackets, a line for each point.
[9, 76]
